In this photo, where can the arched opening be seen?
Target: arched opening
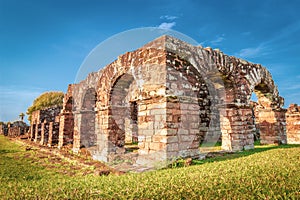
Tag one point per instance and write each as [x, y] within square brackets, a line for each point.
[88, 137]
[123, 132]
[268, 116]
[199, 119]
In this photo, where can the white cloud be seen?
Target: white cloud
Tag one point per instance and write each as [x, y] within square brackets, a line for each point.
[168, 17]
[218, 40]
[166, 25]
[253, 52]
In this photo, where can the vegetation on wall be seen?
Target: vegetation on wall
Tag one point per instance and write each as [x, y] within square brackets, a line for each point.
[46, 100]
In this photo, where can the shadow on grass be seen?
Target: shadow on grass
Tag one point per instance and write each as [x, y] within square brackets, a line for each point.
[216, 156]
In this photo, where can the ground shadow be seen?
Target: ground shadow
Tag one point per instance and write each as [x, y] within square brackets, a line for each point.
[219, 156]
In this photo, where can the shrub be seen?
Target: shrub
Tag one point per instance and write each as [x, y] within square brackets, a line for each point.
[45, 100]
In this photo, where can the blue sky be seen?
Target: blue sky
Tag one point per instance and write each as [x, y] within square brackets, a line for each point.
[43, 43]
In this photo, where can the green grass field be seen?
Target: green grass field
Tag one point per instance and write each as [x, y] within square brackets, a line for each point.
[269, 172]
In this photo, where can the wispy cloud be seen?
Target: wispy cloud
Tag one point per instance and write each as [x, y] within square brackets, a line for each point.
[246, 33]
[265, 47]
[168, 17]
[16, 99]
[218, 40]
[253, 52]
[286, 32]
[295, 86]
[166, 25]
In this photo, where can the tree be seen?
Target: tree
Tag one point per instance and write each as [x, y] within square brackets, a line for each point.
[21, 115]
[46, 100]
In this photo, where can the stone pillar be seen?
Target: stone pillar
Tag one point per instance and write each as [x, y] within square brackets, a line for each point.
[42, 133]
[104, 147]
[153, 132]
[50, 134]
[272, 125]
[61, 130]
[32, 134]
[184, 127]
[237, 128]
[36, 132]
[76, 135]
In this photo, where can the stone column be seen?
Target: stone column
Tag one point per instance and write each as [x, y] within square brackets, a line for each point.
[76, 136]
[153, 131]
[104, 147]
[36, 132]
[42, 133]
[50, 134]
[32, 129]
[61, 131]
[237, 128]
[183, 127]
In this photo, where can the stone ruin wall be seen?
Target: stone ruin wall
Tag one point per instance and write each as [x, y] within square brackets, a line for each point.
[293, 124]
[14, 129]
[188, 95]
[44, 127]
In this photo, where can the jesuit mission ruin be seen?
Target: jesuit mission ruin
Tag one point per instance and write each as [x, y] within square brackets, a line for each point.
[167, 98]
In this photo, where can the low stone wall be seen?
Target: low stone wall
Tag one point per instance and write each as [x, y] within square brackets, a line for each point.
[45, 126]
[49, 133]
[14, 129]
[293, 124]
[48, 115]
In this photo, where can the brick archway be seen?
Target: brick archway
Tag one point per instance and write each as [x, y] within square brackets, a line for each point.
[169, 81]
[126, 80]
[241, 80]
[164, 114]
[268, 112]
